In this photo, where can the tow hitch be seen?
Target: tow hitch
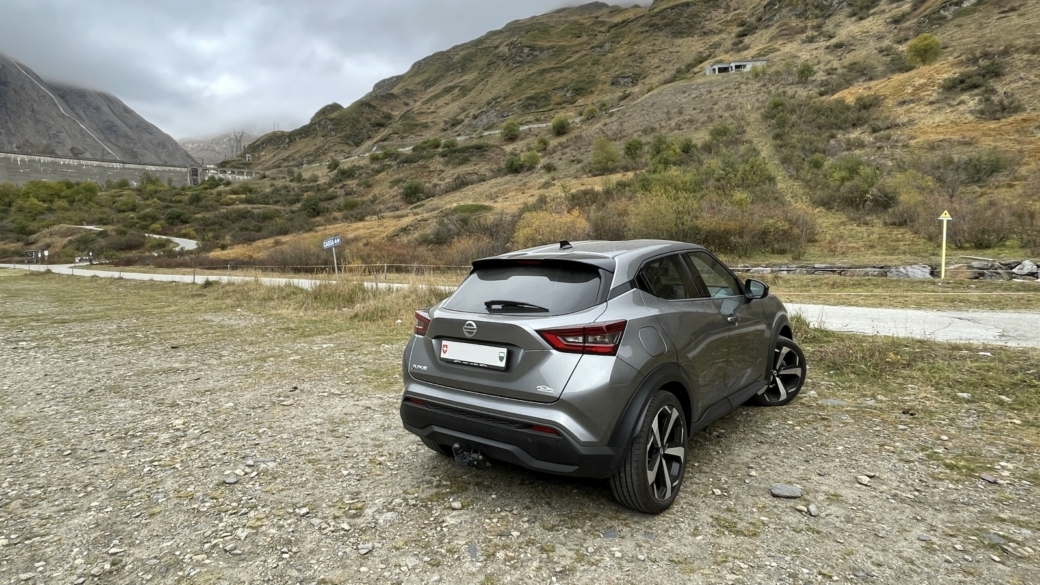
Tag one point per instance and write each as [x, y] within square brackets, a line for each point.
[469, 457]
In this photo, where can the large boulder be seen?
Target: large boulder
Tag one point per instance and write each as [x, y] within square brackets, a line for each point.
[1026, 268]
[918, 271]
[997, 275]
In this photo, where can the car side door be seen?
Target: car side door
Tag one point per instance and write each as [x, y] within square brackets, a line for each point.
[692, 322]
[748, 331]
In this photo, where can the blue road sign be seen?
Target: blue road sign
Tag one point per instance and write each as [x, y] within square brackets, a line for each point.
[332, 242]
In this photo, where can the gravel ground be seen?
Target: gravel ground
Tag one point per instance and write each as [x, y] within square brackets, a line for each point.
[153, 434]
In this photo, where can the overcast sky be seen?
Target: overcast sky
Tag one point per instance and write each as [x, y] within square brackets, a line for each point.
[202, 67]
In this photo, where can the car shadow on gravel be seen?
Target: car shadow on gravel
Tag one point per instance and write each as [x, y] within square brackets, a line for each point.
[511, 484]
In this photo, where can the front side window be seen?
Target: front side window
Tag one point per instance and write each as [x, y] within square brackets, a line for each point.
[718, 281]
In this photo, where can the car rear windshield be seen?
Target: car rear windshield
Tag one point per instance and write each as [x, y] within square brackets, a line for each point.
[558, 288]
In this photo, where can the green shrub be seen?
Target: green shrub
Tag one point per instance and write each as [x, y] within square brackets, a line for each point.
[333, 164]
[516, 163]
[542, 144]
[805, 72]
[511, 130]
[450, 143]
[345, 173]
[561, 125]
[953, 172]
[605, 157]
[531, 159]
[549, 167]
[633, 148]
[413, 191]
[513, 164]
[589, 113]
[998, 107]
[923, 50]
[976, 78]
[426, 145]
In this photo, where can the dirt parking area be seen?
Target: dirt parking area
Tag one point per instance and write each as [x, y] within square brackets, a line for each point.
[160, 432]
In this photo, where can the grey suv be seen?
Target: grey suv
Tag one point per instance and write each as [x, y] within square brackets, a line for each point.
[596, 359]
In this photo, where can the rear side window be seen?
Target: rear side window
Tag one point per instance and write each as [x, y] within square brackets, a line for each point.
[526, 289]
[666, 278]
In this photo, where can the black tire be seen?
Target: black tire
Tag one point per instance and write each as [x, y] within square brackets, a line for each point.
[786, 374]
[440, 449]
[651, 473]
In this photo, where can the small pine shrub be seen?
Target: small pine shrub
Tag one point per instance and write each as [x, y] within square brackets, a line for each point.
[511, 130]
[530, 159]
[413, 191]
[923, 50]
[633, 148]
[561, 125]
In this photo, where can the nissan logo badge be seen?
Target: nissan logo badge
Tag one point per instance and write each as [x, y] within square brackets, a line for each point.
[470, 328]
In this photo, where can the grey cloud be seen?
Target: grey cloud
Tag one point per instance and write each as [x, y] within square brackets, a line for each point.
[201, 67]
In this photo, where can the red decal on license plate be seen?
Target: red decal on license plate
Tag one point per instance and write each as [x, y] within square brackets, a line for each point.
[444, 349]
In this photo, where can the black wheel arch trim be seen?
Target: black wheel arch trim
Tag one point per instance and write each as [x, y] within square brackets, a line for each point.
[628, 425]
[779, 323]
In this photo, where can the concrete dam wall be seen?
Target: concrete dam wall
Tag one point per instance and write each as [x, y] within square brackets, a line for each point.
[22, 168]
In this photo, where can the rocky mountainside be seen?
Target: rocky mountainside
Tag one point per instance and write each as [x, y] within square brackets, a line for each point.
[564, 61]
[215, 148]
[41, 117]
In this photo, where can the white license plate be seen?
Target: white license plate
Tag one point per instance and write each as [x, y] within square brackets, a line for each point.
[483, 356]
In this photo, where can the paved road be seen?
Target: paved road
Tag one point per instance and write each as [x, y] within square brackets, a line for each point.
[182, 243]
[1013, 328]
[202, 276]
[199, 278]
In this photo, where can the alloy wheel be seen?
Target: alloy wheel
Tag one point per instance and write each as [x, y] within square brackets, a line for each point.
[788, 373]
[666, 452]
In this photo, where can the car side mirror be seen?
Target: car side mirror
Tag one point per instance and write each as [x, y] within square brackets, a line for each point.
[755, 289]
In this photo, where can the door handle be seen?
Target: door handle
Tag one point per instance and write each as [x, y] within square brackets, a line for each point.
[733, 319]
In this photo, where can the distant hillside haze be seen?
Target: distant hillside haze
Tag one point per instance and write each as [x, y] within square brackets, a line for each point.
[42, 117]
[214, 149]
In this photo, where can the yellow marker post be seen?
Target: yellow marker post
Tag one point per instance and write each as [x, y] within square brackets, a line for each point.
[945, 219]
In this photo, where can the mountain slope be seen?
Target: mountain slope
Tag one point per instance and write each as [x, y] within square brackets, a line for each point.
[40, 117]
[532, 69]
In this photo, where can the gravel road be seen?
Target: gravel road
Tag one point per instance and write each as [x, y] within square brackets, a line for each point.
[153, 434]
[1017, 329]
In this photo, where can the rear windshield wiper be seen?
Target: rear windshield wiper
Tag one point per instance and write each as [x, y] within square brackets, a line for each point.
[514, 306]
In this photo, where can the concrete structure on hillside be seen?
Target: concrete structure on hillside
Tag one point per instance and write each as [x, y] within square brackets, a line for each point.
[230, 174]
[21, 168]
[734, 67]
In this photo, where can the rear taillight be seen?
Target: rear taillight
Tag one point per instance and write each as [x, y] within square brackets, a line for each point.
[598, 338]
[544, 429]
[422, 322]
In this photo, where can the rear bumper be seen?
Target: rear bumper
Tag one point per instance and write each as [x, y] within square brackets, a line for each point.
[508, 439]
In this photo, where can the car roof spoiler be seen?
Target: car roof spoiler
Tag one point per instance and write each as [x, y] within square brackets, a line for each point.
[595, 260]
